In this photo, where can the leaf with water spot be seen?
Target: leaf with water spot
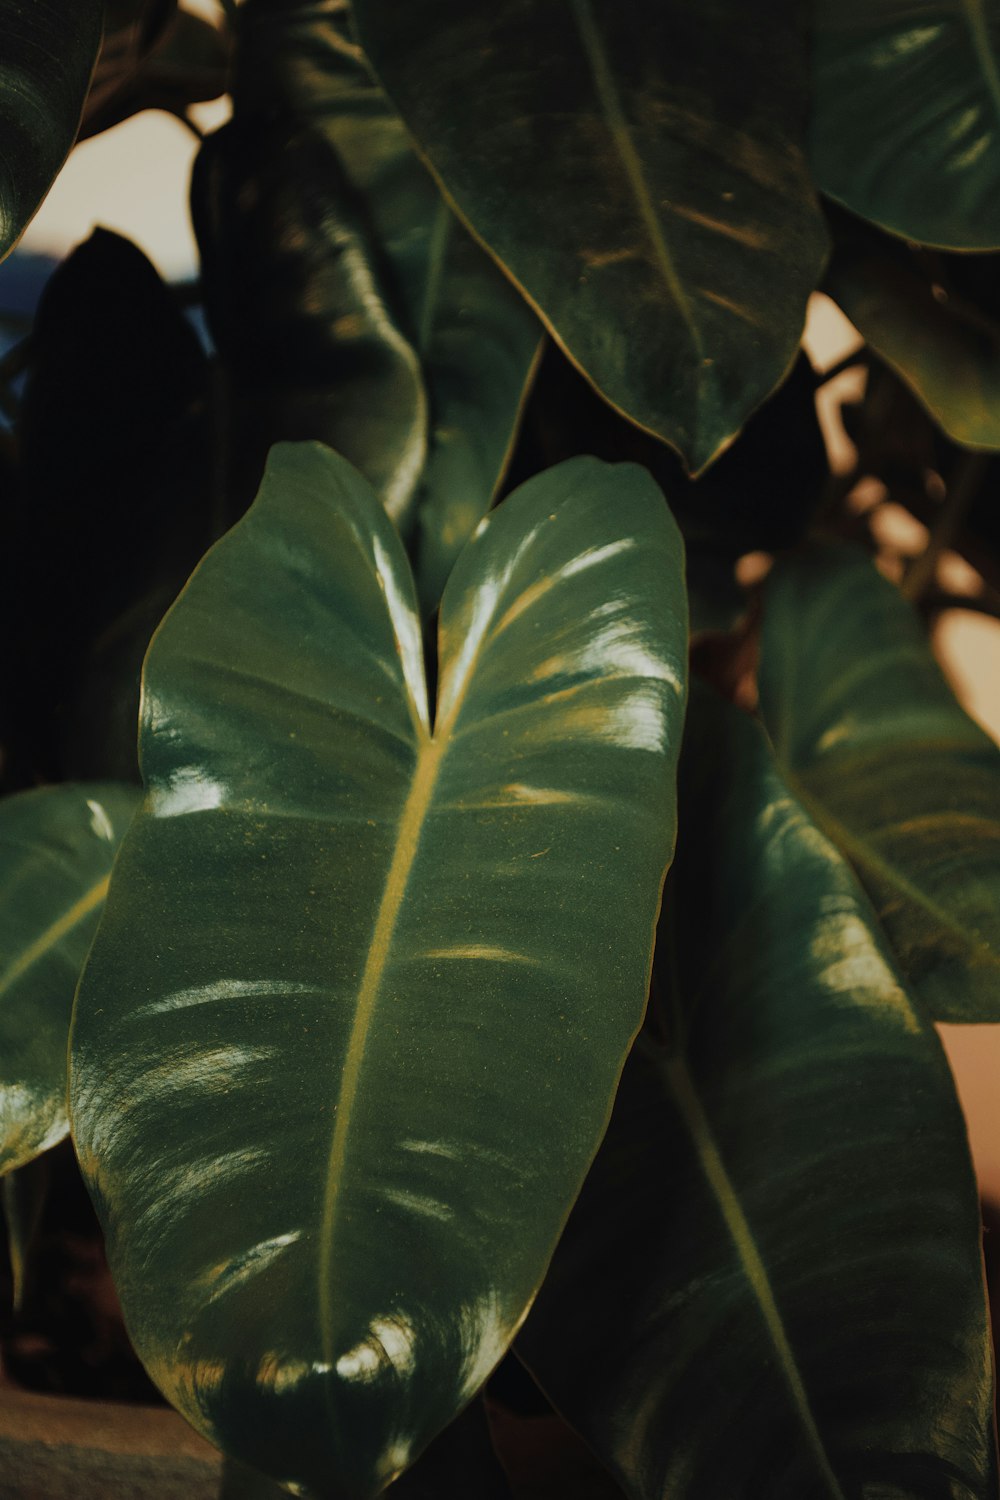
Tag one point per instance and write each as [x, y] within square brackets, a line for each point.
[364, 986]
[779, 1239]
[639, 171]
[906, 115]
[56, 850]
[892, 769]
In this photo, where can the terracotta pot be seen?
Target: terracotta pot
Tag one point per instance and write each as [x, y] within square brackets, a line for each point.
[59, 1448]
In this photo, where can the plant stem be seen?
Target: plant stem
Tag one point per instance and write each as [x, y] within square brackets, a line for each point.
[966, 478]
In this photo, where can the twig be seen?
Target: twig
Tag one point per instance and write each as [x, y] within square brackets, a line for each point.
[963, 487]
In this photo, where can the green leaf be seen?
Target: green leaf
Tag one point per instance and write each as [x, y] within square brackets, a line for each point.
[352, 965]
[47, 53]
[301, 311]
[659, 217]
[906, 115]
[779, 1240]
[113, 505]
[946, 348]
[447, 307]
[56, 849]
[891, 768]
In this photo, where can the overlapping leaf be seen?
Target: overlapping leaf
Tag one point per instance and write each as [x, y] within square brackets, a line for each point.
[638, 171]
[363, 989]
[892, 769]
[771, 1283]
[47, 53]
[944, 345]
[906, 115]
[111, 512]
[56, 850]
[447, 320]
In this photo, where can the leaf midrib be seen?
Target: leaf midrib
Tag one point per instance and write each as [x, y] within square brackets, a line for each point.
[614, 114]
[692, 1112]
[53, 934]
[430, 754]
[972, 10]
[864, 857]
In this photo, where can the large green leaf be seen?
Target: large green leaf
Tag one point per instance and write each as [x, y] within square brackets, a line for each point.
[892, 769]
[637, 170]
[48, 49]
[906, 115]
[946, 347]
[56, 850]
[779, 1240]
[447, 306]
[359, 1001]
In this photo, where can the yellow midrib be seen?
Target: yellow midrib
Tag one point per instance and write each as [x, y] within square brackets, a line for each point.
[865, 857]
[53, 934]
[607, 94]
[700, 1131]
[411, 823]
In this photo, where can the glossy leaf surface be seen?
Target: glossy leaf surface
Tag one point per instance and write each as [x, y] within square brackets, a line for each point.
[906, 115]
[432, 392]
[47, 53]
[56, 850]
[349, 1034]
[892, 769]
[779, 1239]
[474, 335]
[945, 347]
[659, 216]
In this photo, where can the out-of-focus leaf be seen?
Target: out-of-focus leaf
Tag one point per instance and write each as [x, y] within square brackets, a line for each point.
[24, 1194]
[945, 347]
[113, 497]
[154, 56]
[892, 769]
[759, 496]
[47, 53]
[327, 1206]
[638, 172]
[56, 850]
[779, 1239]
[906, 115]
[446, 303]
[301, 311]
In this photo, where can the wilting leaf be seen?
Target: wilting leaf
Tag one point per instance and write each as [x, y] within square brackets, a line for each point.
[906, 115]
[638, 172]
[47, 53]
[56, 850]
[359, 1002]
[891, 768]
[771, 1283]
[945, 346]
